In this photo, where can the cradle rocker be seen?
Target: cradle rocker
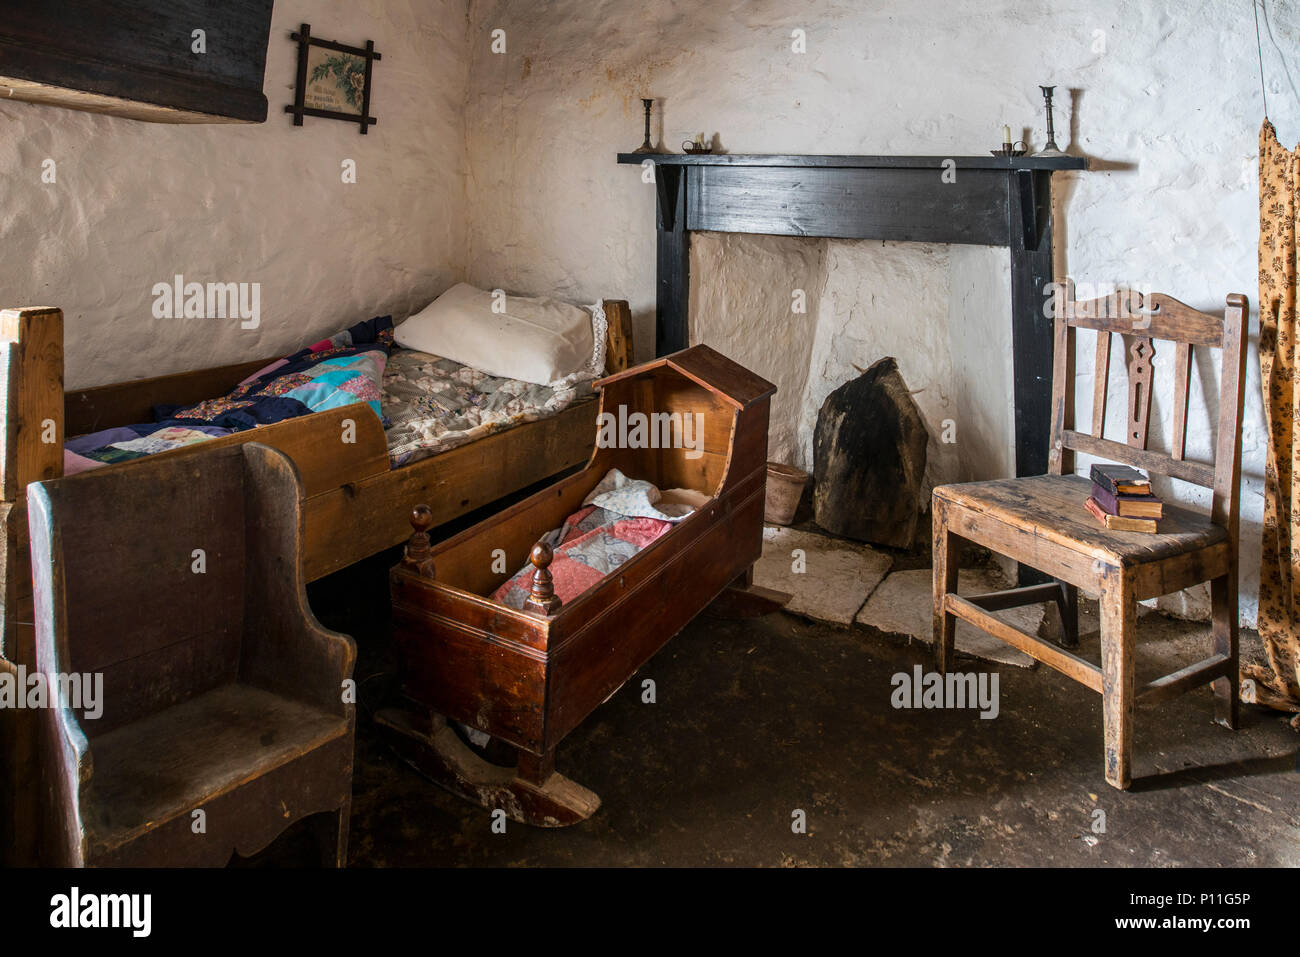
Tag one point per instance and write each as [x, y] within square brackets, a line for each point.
[528, 677]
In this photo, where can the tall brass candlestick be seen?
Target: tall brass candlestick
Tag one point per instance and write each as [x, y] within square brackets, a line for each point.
[647, 146]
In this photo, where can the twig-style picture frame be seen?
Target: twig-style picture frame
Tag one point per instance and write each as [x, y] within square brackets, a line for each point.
[334, 80]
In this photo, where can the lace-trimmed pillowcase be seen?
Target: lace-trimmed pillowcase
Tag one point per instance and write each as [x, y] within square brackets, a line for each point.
[538, 340]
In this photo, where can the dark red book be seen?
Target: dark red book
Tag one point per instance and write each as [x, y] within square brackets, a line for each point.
[1128, 506]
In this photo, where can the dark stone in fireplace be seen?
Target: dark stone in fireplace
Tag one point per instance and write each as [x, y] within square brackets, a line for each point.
[869, 459]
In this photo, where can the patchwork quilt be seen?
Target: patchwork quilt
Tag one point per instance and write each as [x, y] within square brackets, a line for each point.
[343, 369]
[617, 520]
[434, 404]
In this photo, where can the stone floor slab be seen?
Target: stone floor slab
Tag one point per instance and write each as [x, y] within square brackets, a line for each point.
[903, 604]
[829, 578]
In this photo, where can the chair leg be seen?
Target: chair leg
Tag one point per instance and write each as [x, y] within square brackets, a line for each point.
[1068, 605]
[945, 581]
[1118, 637]
[331, 830]
[1223, 604]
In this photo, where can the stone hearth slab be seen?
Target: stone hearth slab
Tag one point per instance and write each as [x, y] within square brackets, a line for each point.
[903, 604]
[837, 575]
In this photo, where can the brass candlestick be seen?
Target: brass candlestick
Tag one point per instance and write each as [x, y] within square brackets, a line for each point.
[647, 146]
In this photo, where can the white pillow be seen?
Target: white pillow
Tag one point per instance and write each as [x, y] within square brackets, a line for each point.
[536, 340]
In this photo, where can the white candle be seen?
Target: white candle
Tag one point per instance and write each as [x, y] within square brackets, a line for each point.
[1006, 135]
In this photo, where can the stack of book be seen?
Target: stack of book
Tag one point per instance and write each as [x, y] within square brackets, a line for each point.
[1122, 500]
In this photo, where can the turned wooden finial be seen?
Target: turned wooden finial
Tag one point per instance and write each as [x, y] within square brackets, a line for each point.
[416, 554]
[542, 597]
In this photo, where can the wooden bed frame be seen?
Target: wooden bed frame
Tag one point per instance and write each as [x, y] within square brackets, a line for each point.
[353, 508]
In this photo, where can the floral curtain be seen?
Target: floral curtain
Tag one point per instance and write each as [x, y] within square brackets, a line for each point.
[1278, 685]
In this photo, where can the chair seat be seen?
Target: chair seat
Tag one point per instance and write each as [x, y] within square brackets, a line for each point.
[1052, 508]
[147, 773]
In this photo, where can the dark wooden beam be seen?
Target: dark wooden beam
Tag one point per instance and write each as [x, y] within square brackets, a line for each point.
[901, 204]
[673, 255]
[135, 58]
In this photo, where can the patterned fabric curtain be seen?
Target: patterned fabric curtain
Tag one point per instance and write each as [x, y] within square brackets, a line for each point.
[1278, 685]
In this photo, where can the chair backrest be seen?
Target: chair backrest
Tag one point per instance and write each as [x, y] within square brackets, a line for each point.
[144, 566]
[1140, 321]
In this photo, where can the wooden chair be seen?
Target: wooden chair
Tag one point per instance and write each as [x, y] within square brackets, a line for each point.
[1040, 521]
[180, 582]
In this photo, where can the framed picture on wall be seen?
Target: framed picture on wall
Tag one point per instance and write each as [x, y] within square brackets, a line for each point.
[334, 80]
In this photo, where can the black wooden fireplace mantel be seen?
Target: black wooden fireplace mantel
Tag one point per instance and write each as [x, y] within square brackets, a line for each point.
[980, 200]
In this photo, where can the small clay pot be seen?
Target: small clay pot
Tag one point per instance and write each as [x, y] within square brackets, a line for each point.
[785, 485]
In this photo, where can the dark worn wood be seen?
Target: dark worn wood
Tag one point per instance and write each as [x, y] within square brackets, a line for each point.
[1031, 329]
[415, 555]
[236, 707]
[810, 160]
[126, 403]
[907, 205]
[673, 262]
[541, 597]
[426, 743]
[530, 679]
[619, 354]
[1040, 520]
[133, 57]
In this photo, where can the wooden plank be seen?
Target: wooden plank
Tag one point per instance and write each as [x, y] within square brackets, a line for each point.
[1100, 382]
[1031, 337]
[332, 448]
[910, 205]
[32, 412]
[1157, 462]
[1060, 460]
[1118, 612]
[1182, 380]
[619, 352]
[1226, 504]
[33, 407]
[134, 57]
[802, 160]
[129, 403]
[1158, 316]
[1184, 679]
[1071, 665]
[352, 522]
[1016, 597]
[673, 263]
[1049, 509]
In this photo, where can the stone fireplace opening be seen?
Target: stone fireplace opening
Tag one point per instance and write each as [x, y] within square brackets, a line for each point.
[811, 314]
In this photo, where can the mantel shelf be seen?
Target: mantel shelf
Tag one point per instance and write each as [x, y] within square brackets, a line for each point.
[1009, 163]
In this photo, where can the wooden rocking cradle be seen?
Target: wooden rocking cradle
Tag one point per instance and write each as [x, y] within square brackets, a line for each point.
[530, 677]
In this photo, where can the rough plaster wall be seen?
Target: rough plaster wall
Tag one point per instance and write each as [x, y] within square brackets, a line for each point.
[885, 299]
[1168, 109]
[135, 203]
[746, 309]
[979, 337]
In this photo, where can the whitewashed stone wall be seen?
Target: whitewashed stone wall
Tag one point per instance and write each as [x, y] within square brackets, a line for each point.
[135, 203]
